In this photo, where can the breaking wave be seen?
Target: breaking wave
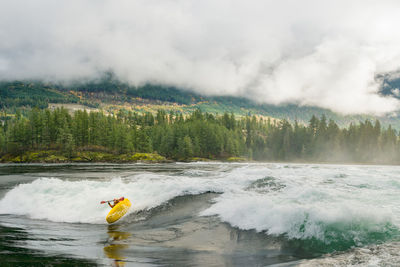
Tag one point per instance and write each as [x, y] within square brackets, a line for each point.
[326, 207]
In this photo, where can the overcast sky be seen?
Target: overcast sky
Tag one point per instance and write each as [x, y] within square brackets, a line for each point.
[309, 52]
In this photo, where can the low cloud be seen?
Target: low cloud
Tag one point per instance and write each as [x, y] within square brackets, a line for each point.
[309, 52]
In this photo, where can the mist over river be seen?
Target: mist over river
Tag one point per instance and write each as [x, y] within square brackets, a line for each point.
[201, 214]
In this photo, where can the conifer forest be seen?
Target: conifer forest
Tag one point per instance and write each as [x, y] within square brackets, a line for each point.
[198, 135]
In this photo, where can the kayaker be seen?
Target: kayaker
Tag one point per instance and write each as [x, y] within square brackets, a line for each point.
[116, 201]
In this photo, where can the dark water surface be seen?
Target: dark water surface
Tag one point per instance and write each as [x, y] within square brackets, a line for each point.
[193, 214]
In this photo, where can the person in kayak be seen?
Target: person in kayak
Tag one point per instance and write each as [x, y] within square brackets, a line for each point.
[115, 200]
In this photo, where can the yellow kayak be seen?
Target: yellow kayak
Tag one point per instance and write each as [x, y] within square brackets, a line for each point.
[118, 211]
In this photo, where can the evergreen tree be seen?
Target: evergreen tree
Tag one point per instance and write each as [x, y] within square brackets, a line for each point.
[2, 141]
[66, 142]
[185, 148]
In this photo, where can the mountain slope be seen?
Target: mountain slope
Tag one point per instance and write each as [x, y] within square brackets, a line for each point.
[111, 95]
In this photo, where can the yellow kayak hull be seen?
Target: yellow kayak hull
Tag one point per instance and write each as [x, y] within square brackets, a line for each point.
[118, 211]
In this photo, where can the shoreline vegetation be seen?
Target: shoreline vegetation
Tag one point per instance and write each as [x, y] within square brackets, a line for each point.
[57, 136]
[53, 156]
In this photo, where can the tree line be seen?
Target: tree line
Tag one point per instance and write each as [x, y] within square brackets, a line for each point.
[182, 137]
[32, 94]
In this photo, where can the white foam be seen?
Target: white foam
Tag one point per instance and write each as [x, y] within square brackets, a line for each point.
[313, 199]
[375, 255]
[278, 215]
[308, 199]
[78, 201]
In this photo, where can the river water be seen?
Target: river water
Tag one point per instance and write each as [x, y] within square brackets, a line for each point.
[201, 214]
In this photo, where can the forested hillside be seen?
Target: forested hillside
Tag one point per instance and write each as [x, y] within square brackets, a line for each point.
[32, 94]
[111, 95]
[203, 135]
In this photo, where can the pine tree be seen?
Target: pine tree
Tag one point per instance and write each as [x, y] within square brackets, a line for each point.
[66, 142]
[185, 148]
[248, 133]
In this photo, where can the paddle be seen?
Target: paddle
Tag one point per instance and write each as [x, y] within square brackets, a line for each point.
[107, 201]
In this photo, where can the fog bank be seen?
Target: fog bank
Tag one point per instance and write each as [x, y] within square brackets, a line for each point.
[308, 52]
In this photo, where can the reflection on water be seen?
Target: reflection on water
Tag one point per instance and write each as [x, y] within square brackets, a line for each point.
[117, 245]
[15, 250]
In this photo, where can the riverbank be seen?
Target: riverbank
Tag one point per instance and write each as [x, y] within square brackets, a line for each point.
[54, 156]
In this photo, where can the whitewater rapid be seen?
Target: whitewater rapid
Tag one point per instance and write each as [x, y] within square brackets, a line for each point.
[331, 204]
